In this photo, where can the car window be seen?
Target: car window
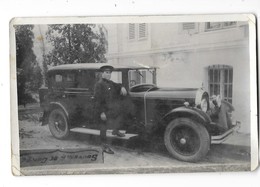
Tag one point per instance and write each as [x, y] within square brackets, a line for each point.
[70, 77]
[64, 80]
[141, 76]
[57, 81]
[86, 79]
[58, 78]
[116, 76]
[69, 80]
[83, 79]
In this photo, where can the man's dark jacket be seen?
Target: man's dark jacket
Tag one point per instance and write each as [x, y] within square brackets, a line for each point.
[107, 98]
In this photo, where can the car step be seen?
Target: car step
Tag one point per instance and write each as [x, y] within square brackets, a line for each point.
[97, 132]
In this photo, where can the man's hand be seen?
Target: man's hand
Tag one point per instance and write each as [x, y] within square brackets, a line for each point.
[103, 116]
[123, 91]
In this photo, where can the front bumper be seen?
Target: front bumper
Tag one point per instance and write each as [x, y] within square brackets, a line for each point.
[221, 138]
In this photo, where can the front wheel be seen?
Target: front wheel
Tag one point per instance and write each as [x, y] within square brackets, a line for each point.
[58, 124]
[186, 140]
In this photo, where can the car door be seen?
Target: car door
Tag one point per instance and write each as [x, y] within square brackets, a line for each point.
[80, 94]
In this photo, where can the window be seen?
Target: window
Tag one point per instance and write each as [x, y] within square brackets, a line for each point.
[86, 80]
[221, 81]
[64, 80]
[219, 25]
[70, 78]
[131, 31]
[141, 77]
[137, 31]
[58, 78]
[116, 76]
[57, 81]
[142, 31]
[188, 26]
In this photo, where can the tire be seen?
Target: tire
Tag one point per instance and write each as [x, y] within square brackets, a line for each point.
[186, 140]
[58, 124]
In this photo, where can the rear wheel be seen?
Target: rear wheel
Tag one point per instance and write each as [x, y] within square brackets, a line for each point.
[186, 140]
[58, 124]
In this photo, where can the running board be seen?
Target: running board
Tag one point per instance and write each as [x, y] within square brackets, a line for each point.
[221, 138]
[97, 132]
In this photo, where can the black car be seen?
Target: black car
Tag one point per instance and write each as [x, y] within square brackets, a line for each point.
[182, 117]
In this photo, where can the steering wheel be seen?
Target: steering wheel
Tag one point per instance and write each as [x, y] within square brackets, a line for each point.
[142, 87]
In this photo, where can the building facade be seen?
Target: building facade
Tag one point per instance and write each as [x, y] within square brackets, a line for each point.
[212, 55]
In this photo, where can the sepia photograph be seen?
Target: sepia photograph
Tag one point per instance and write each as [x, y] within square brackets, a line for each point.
[133, 94]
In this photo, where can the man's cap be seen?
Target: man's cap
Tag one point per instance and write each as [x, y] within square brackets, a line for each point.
[106, 68]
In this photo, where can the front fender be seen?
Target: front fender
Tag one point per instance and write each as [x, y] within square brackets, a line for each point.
[188, 112]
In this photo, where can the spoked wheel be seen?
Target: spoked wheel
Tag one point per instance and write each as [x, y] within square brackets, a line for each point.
[186, 140]
[58, 124]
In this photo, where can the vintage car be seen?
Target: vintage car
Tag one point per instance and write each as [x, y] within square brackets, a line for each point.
[182, 118]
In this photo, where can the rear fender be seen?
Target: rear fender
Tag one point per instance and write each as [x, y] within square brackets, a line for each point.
[52, 106]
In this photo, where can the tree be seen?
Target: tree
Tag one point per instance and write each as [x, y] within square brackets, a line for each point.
[78, 43]
[44, 63]
[24, 44]
[28, 75]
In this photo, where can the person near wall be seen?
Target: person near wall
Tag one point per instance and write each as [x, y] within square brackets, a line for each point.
[107, 105]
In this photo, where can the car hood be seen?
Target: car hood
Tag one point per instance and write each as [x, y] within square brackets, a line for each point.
[168, 93]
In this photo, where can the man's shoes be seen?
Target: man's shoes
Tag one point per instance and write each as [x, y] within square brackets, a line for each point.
[117, 133]
[107, 149]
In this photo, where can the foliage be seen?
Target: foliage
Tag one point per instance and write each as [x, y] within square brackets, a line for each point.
[76, 43]
[29, 77]
[24, 44]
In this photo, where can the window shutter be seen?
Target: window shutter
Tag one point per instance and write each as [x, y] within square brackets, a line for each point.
[142, 30]
[131, 31]
[188, 26]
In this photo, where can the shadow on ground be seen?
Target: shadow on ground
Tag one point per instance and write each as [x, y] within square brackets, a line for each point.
[218, 153]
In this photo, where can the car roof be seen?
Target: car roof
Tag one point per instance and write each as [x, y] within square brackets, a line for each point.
[96, 66]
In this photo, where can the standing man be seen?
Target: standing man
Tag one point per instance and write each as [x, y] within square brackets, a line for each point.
[108, 106]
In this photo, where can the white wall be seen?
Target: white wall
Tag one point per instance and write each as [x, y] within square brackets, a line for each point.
[183, 57]
[192, 72]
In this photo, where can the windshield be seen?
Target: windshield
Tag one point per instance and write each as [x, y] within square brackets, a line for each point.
[135, 77]
[141, 76]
